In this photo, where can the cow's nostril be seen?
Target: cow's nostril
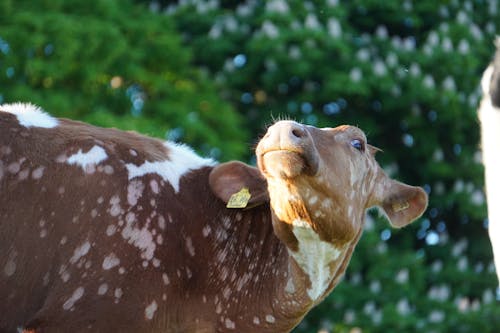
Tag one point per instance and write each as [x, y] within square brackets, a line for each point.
[297, 133]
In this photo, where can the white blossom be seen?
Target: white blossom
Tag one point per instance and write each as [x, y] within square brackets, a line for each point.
[438, 155]
[449, 83]
[230, 24]
[443, 11]
[462, 18]
[439, 293]
[391, 59]
[463, 304]
[312, 22]
[334, 27]
[447, 45]
[381, 32]
[216, 31]
[349, 316]
[436, 316]
[356, 74]
[415, 69]
[437, 266]
[403, 307]
[369, 307]
[429, 81]
[375, 286]
[459, 247]
[463, 46]
[379, 68]
[269, 29]
[402, 276]
[477, 198]
[294, 52]
[277, 6]
[490, 28]
[488, 296]
[462, 264]
[433, 38]
[409, 44]
[363, 55]
[493, 7]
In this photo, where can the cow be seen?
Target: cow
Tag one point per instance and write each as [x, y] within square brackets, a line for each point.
[103, 230]
[489, 117]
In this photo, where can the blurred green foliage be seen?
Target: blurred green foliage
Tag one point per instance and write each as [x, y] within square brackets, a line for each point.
[113, 63]
[407, 73]
[214, 73]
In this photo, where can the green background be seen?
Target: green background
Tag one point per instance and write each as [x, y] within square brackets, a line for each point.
[213, 74]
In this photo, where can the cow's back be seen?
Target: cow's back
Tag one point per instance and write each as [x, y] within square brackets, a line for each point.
[82, 210]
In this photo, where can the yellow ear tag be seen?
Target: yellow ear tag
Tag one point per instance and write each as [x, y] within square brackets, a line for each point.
[399, 206]
[239, 199]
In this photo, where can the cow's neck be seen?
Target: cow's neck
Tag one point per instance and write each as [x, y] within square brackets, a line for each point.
[318, 256]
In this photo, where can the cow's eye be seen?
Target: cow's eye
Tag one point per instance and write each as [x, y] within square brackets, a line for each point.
[358, 144]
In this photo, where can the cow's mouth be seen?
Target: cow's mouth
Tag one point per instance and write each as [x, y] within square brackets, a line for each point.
[284, 163]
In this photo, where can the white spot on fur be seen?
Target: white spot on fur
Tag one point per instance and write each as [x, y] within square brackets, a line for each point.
[290, 286]
[140, 238]
[111, 230]
[87, 161]
[270, 319]
[103, 288]
[70, 302]
[134, 191]
[230, 324]
[110, 261]
[10, 267]
[118, 294]
[115, 208]
[206, 230]
[154, 186]
[161, 222]
[79, 252]
[30, 115]
[150, 310]
[182, 159]
[314, 257]
[165, 278]
[256, 320]
[190, 247]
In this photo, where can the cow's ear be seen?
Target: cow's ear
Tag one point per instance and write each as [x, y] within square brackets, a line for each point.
[401, 203]
[229, 178]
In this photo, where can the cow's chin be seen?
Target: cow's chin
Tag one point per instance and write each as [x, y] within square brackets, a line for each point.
[283, 164]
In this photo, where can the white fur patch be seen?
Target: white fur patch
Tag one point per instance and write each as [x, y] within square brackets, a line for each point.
[70, 302]
[489, 116]
[150, 310]
[314, 257]
[91, 158]
[30, 115]
[80, 252]
[182, 159]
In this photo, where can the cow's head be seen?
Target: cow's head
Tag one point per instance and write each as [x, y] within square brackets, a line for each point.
[325, 178]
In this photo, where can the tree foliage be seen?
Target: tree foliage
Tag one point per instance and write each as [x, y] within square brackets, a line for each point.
[113, 63]
[408, 74]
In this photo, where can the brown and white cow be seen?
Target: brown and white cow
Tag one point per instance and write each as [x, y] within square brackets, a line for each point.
[109, 231]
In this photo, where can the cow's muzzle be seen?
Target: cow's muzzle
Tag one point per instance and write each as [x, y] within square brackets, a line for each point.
[287, 151]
